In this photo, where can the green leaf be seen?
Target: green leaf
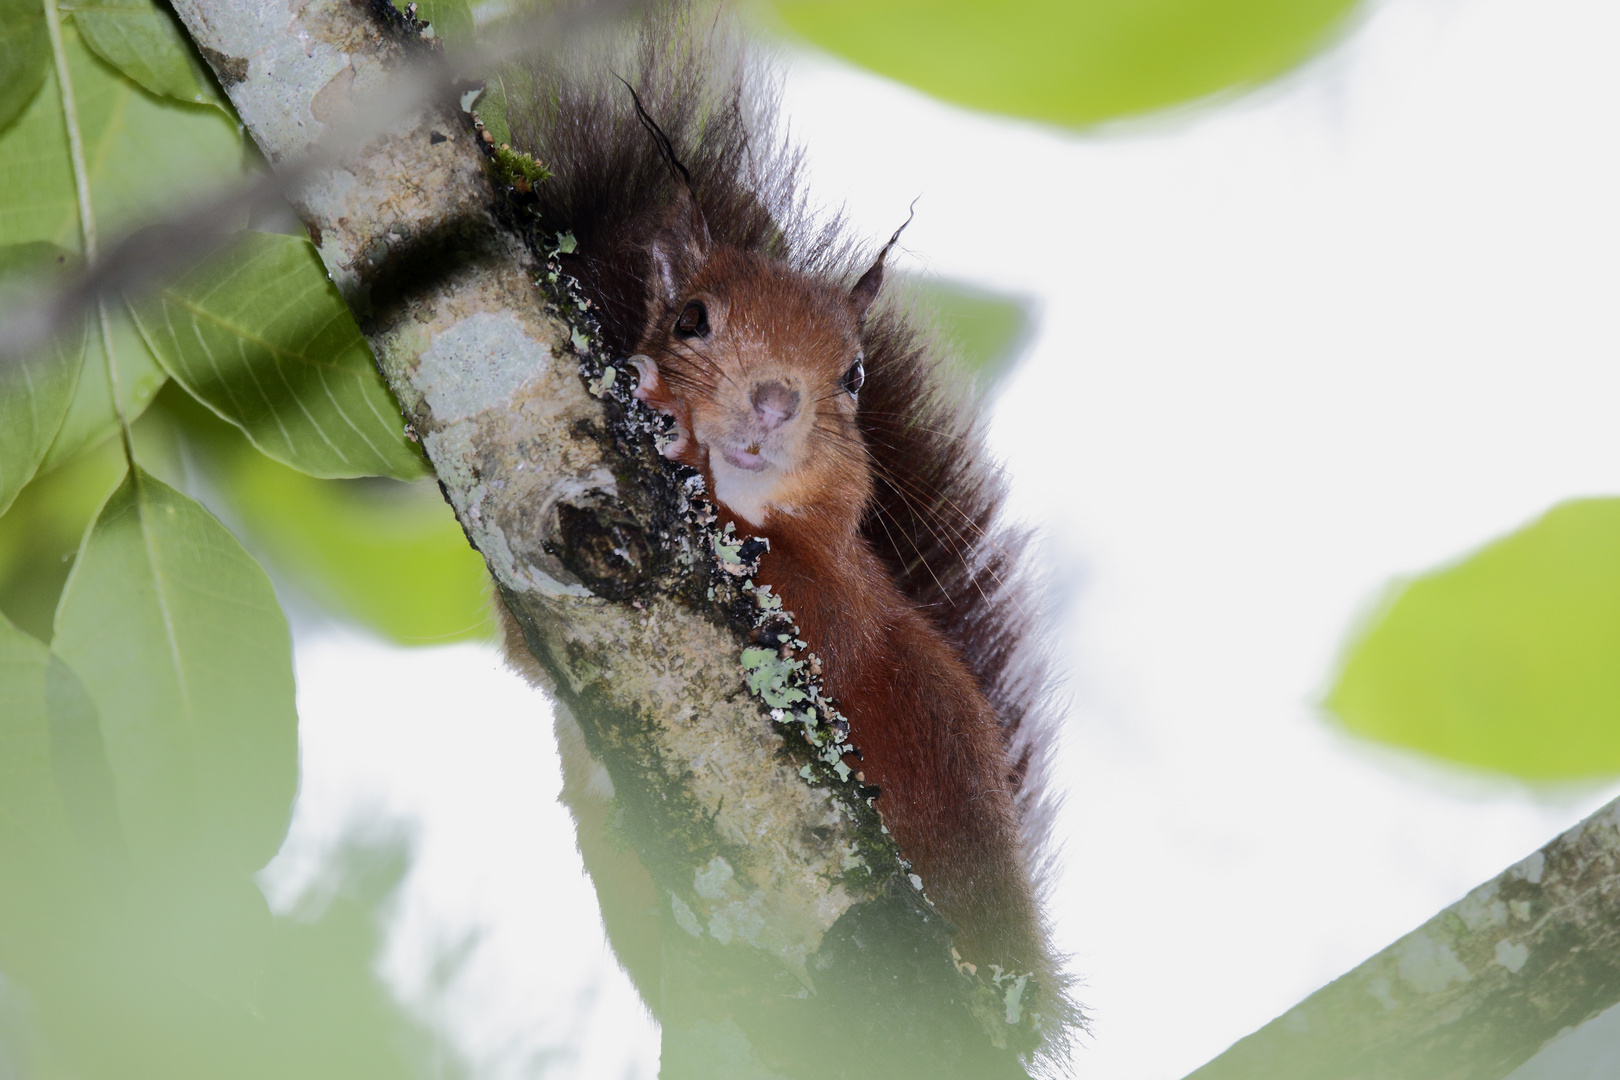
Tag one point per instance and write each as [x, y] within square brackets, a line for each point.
[40, 534]
[1069, 61]
[451, 20]
[34, 390]
[1509, 660]
[386, 554]
[25, 54]
[56, 798]
[79, 764]
[172, 970]
[145, 42]
[90, 418]
[987, 330]
[144, 155]
[177, 635]
[32, 824]
[491, 108]
[263, 338]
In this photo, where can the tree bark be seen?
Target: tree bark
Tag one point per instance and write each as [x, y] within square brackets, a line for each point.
[791, 942]
[1474, 992]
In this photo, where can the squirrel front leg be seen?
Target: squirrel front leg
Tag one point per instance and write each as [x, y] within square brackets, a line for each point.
[654, 392]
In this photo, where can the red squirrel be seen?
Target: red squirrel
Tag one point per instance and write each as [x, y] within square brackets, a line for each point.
[762, 367]
[816, 416]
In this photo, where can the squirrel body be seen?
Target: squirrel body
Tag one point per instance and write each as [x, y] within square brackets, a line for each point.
[929, 741]
[819, 422]
[762, 368]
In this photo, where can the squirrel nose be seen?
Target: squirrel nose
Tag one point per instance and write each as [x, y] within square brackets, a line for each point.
[774, 404]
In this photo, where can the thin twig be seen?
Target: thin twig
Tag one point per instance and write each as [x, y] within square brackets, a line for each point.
[139, 263]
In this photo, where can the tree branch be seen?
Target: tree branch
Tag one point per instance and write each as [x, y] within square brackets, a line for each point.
[1474, 992]
[784, 912]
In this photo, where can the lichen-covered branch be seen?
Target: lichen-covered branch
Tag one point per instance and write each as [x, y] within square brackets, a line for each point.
[784, 912]
[1474, 992]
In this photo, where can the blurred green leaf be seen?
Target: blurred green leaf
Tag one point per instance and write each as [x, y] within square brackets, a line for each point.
[332, 1016]
[263, 338]
[145, 42]
[90, 418]
[53, 804]
[389, 555]
[83, 774]
[128, 973]
[25, 55]
[987, 330]
[451, 20]
[185, 652]
[183, 976]
[383, 553]
[144, 155]
[34, 390]
[491, 108]
[1069, 61]
[32, 824]
[173, 970]
[40, 534]
[1509, 660]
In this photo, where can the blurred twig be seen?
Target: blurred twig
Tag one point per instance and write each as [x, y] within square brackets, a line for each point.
[167, 246]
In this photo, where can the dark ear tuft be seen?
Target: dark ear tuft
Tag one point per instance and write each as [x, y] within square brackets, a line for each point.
[697, 227]
[689, 214]
[866, 289]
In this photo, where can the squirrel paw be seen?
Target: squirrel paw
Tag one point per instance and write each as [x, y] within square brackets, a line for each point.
[651, 390]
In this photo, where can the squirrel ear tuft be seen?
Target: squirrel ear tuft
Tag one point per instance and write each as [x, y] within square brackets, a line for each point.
[697, 226]
[866, 289]
[683, 245]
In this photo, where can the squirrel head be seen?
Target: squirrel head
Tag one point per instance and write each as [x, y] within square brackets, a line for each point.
[762, 367]
[759, 364]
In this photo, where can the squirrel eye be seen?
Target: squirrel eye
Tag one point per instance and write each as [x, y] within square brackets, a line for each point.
[855, 377]
[693, 320]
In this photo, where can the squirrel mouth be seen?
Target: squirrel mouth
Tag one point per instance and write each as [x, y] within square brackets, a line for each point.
[748, 458]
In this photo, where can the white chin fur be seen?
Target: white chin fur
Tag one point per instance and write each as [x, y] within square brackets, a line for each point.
[748, 493]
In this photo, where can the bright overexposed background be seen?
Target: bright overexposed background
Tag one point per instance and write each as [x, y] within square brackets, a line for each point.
[1289, 346]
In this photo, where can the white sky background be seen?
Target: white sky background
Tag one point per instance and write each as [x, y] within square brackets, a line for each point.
[1289, 347]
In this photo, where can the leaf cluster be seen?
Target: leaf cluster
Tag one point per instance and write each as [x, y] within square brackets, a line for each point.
[147, 714]
[257, 335]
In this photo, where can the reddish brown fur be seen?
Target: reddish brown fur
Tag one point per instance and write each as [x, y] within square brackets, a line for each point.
[927, 736]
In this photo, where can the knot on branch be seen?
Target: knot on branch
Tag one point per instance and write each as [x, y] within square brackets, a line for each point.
[601, 545]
